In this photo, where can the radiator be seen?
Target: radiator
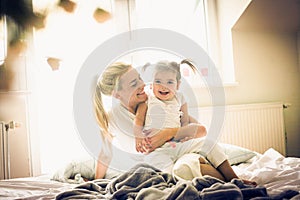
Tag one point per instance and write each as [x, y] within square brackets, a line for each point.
[4, 151]
[257, 127]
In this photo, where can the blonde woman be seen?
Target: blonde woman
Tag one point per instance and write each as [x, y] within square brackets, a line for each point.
[123, 82]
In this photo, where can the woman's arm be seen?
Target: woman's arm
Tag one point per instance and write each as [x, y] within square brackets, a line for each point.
[104, 160]
[101, 169]
[184, 119]
[194, 129]
[192, 120]
[157, 138]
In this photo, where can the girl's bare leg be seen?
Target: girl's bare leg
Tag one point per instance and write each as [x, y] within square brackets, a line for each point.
[207, 169]
[226, 170]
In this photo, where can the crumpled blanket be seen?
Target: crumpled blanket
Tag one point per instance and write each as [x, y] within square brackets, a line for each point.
[146, 182]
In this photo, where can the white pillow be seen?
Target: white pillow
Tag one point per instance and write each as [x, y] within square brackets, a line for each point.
[75, 171]
[237, 154]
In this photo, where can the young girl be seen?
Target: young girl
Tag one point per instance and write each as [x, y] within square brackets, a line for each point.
[166, 106]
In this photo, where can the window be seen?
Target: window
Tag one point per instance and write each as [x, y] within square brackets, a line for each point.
[185, 17]
[3, 49]
[2, 40]
[71, 37]
[196, 20]
[68, 39]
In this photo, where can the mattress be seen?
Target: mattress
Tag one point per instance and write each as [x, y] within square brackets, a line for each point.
[277, 174]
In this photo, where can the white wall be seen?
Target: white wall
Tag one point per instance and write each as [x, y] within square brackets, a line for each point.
[266, 69]
[227, 13]
[13, 107]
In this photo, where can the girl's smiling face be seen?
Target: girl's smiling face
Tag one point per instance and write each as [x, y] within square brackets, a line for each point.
[165, 85]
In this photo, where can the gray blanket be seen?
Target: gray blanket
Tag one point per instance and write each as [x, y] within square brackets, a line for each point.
[146, 182]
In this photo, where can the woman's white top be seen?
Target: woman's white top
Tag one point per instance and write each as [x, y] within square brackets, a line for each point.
[125, 156]
[121, 124]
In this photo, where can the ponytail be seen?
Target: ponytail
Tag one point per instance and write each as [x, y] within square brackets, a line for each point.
[146, 66]
[174, 66]
[190, 63]
[101, 115]
[106, 84]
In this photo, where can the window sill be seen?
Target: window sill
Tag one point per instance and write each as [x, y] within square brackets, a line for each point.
[231, 84]
[225, 85]
[15, 92]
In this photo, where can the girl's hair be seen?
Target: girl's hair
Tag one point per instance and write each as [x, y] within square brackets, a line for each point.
[106, 84]
[171, 66]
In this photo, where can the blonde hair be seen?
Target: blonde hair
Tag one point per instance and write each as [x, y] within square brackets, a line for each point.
[106, 84]
[171, 66]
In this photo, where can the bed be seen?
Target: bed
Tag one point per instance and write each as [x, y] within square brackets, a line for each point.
[278, 177]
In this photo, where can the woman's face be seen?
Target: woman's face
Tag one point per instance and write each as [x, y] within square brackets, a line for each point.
[132, 90]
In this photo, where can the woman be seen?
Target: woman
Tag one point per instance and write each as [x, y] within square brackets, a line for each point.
[123, 82]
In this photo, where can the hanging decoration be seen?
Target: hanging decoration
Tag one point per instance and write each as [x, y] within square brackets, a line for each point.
[68, 5]
[22, 13]
[54, 63]
[101, 15]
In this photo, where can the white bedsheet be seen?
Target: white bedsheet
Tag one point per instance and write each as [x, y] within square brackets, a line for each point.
[272, 170]
[40, 187]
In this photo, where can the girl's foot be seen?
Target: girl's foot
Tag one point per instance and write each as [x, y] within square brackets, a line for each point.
[249, 182]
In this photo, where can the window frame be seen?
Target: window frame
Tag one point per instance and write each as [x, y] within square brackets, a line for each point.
[222, 60]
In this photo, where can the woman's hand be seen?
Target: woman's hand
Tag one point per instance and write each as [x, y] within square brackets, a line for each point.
[186, 139]
[141, 145]
[156, 138]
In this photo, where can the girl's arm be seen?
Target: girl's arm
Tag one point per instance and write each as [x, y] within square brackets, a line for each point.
[139, 123]
[140, 115]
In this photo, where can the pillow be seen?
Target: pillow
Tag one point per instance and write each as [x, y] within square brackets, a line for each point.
[78, 170]
[237, 154]
[75, 171]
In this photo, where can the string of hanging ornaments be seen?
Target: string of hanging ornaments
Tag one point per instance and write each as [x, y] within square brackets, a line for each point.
[21, 13]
